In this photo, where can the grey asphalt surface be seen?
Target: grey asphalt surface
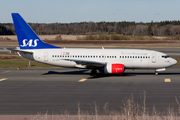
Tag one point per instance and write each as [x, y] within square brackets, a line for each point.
[54, 90]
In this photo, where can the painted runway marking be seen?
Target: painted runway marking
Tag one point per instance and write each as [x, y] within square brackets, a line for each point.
[167, 80]
[82, 80]
[6, 71]
[3, 79]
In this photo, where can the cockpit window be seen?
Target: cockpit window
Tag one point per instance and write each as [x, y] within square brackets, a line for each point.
[165, 56]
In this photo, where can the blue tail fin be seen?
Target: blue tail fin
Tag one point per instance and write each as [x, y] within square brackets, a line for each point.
[27, 38]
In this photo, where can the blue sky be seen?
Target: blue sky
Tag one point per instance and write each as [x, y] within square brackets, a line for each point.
[67, 11]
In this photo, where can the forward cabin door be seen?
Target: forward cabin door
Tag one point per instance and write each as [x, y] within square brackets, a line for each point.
[153, 58]
[45, 57]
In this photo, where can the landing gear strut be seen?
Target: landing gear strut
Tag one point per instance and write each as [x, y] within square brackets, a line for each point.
[93, 72]
[156, 73]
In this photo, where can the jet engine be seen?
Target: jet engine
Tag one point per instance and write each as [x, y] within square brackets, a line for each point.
[114, 68]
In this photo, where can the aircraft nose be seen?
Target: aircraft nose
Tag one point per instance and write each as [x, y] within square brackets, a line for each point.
[173, 61]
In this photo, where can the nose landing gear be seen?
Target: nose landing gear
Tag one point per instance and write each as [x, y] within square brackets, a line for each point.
[157, 70]
[156, 73]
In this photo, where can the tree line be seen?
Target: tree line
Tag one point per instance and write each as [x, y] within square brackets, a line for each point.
[163, 28]
[4, 30]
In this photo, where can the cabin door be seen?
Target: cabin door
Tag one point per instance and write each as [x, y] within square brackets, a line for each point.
[153, 58]
[45, 57]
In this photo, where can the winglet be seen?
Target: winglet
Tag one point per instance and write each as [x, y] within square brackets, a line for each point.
[27, 38]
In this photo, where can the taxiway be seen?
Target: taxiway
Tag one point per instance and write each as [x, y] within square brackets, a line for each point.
[38, 90]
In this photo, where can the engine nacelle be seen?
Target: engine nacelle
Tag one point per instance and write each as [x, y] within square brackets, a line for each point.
[114, 68]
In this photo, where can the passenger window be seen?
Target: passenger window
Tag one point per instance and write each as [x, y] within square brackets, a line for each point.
[122, 56]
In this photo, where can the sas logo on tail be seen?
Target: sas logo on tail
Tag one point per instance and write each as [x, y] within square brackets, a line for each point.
[29, 43]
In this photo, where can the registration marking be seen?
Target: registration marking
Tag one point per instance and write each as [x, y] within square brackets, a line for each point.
[3, 79]
[82, 80]
[167, 80]
[6, 71]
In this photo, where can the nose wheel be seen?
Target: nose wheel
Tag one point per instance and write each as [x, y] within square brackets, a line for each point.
[156, 73]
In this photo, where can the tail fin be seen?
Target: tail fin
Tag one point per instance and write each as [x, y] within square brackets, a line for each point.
[27, 38]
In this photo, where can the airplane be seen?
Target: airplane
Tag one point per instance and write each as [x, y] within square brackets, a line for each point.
[108, 61]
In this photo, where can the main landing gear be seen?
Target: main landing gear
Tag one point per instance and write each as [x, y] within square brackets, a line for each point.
[93, 72]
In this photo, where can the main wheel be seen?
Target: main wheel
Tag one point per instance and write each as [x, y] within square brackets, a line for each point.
[93, 72]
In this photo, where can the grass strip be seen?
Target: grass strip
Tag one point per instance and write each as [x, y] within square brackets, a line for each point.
[22, 63]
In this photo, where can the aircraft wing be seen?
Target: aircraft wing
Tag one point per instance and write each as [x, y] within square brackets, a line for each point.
[22, 51]
[88, 63]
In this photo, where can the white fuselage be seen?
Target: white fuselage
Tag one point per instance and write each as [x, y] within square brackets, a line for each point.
[130, 58]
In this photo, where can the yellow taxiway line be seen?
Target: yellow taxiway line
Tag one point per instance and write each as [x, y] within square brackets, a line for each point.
[3, 79]
[6, 71]
[82, 80]
[167, 80]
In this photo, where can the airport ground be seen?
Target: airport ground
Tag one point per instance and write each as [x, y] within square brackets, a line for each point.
[32, 91]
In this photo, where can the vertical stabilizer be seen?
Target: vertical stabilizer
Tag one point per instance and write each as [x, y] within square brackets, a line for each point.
[27, 38]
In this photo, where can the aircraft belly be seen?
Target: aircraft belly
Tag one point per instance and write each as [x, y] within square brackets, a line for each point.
[62, 63]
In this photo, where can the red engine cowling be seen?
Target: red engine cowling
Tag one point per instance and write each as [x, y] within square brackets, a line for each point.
[114, 68]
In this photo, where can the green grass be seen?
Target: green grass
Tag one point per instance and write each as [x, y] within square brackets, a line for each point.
[22, 63]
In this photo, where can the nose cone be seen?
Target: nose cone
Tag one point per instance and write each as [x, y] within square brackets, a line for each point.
[173, 61]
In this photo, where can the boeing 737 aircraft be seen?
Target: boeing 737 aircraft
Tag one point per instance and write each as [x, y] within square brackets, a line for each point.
[109, 61]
